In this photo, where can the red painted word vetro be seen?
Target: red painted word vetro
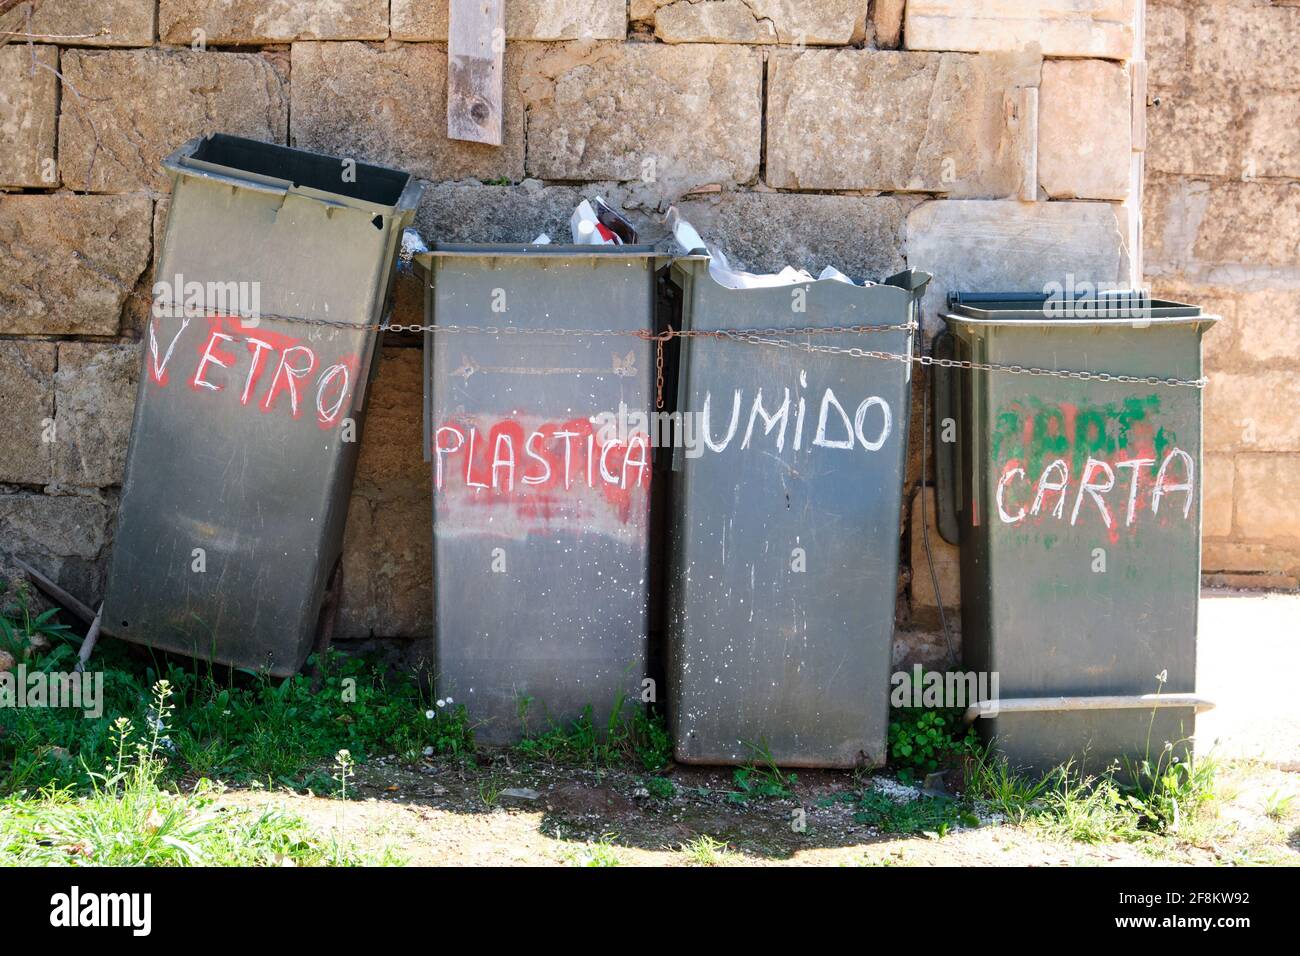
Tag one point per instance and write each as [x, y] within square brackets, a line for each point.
[269, 370]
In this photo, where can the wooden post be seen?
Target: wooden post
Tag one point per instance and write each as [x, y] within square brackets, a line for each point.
[66, 600]
[1138, 74]
[475, 50]
[88, 643]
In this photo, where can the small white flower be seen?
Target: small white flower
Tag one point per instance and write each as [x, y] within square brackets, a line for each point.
[428, 751]
[441, 702]
[428, 715]
[1163, 676]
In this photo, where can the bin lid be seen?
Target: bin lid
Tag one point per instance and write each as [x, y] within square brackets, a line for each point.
[1036, 308]
[269, 167]
[482, 250]
[662, 252]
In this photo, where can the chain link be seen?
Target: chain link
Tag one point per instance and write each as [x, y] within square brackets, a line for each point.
[968, 365]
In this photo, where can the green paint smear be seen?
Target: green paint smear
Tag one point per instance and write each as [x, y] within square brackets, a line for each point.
[1101, 431]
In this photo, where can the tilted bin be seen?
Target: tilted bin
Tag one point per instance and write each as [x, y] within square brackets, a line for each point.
[784, 523]
[1076, 502]
[247, 419]
[540, 517]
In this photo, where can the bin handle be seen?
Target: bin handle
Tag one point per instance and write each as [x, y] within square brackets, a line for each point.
[201, 170]
[947, 454]
[1057, 705]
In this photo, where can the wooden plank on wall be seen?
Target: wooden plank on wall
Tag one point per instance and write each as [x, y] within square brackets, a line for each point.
[1138, 72]
[475, 51]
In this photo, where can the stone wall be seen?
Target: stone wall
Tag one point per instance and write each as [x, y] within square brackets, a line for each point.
[1222, 212]
[987, 141]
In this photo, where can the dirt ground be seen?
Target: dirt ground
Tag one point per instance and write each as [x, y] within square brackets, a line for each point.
[508, 812]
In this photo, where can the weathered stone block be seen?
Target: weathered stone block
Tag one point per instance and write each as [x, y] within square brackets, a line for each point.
[87, 22]
[1267, 488]
[1252, 557]
[1270, 326]
[1100, 28]
[764, 232]
[18, 592]
[94, 391]
[1216, 496]
[1084, 130]
[271, 21]
[1203, 129]
[408, 309]
[1195, 224]
[29, 106]
[27, 397]
[818, 22]
[868, 119]
[59, 526]
[1272, 142]
[525, 19]
[470, 212]
[969, 244]
[1250, 582]
[137, 106]
[387, 548]
[65, 537]
[1253, 45]
[669, 117]
[929, 648]
[388, 105]
[1252, 411]
[1166, 42]
[70, 261]
[1194, 131]
[947, 560]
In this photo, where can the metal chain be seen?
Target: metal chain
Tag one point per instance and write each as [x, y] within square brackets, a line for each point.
[659, 373]
[753, 336]
[1062, 373]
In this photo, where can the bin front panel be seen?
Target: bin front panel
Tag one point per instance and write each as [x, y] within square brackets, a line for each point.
[1089, 494]
[246, 433]
[540, 496]
[1037, 743]
[784, 529]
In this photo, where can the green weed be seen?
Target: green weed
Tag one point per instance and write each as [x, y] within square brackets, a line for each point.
[706, 851]
[934, 816]
[640, 737]
[1277, 806]
[661, 788]
[595, 853]
[924, 739]
[761, 779]
[128, 819]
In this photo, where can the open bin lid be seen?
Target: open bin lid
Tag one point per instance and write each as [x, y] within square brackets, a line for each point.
[1033, 308]
[662, 252]
[269, 167]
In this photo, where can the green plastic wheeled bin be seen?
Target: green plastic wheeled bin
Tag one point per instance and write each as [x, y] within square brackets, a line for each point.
[275, 266]
[784, 517]
[539, 372]
[1074, 492]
